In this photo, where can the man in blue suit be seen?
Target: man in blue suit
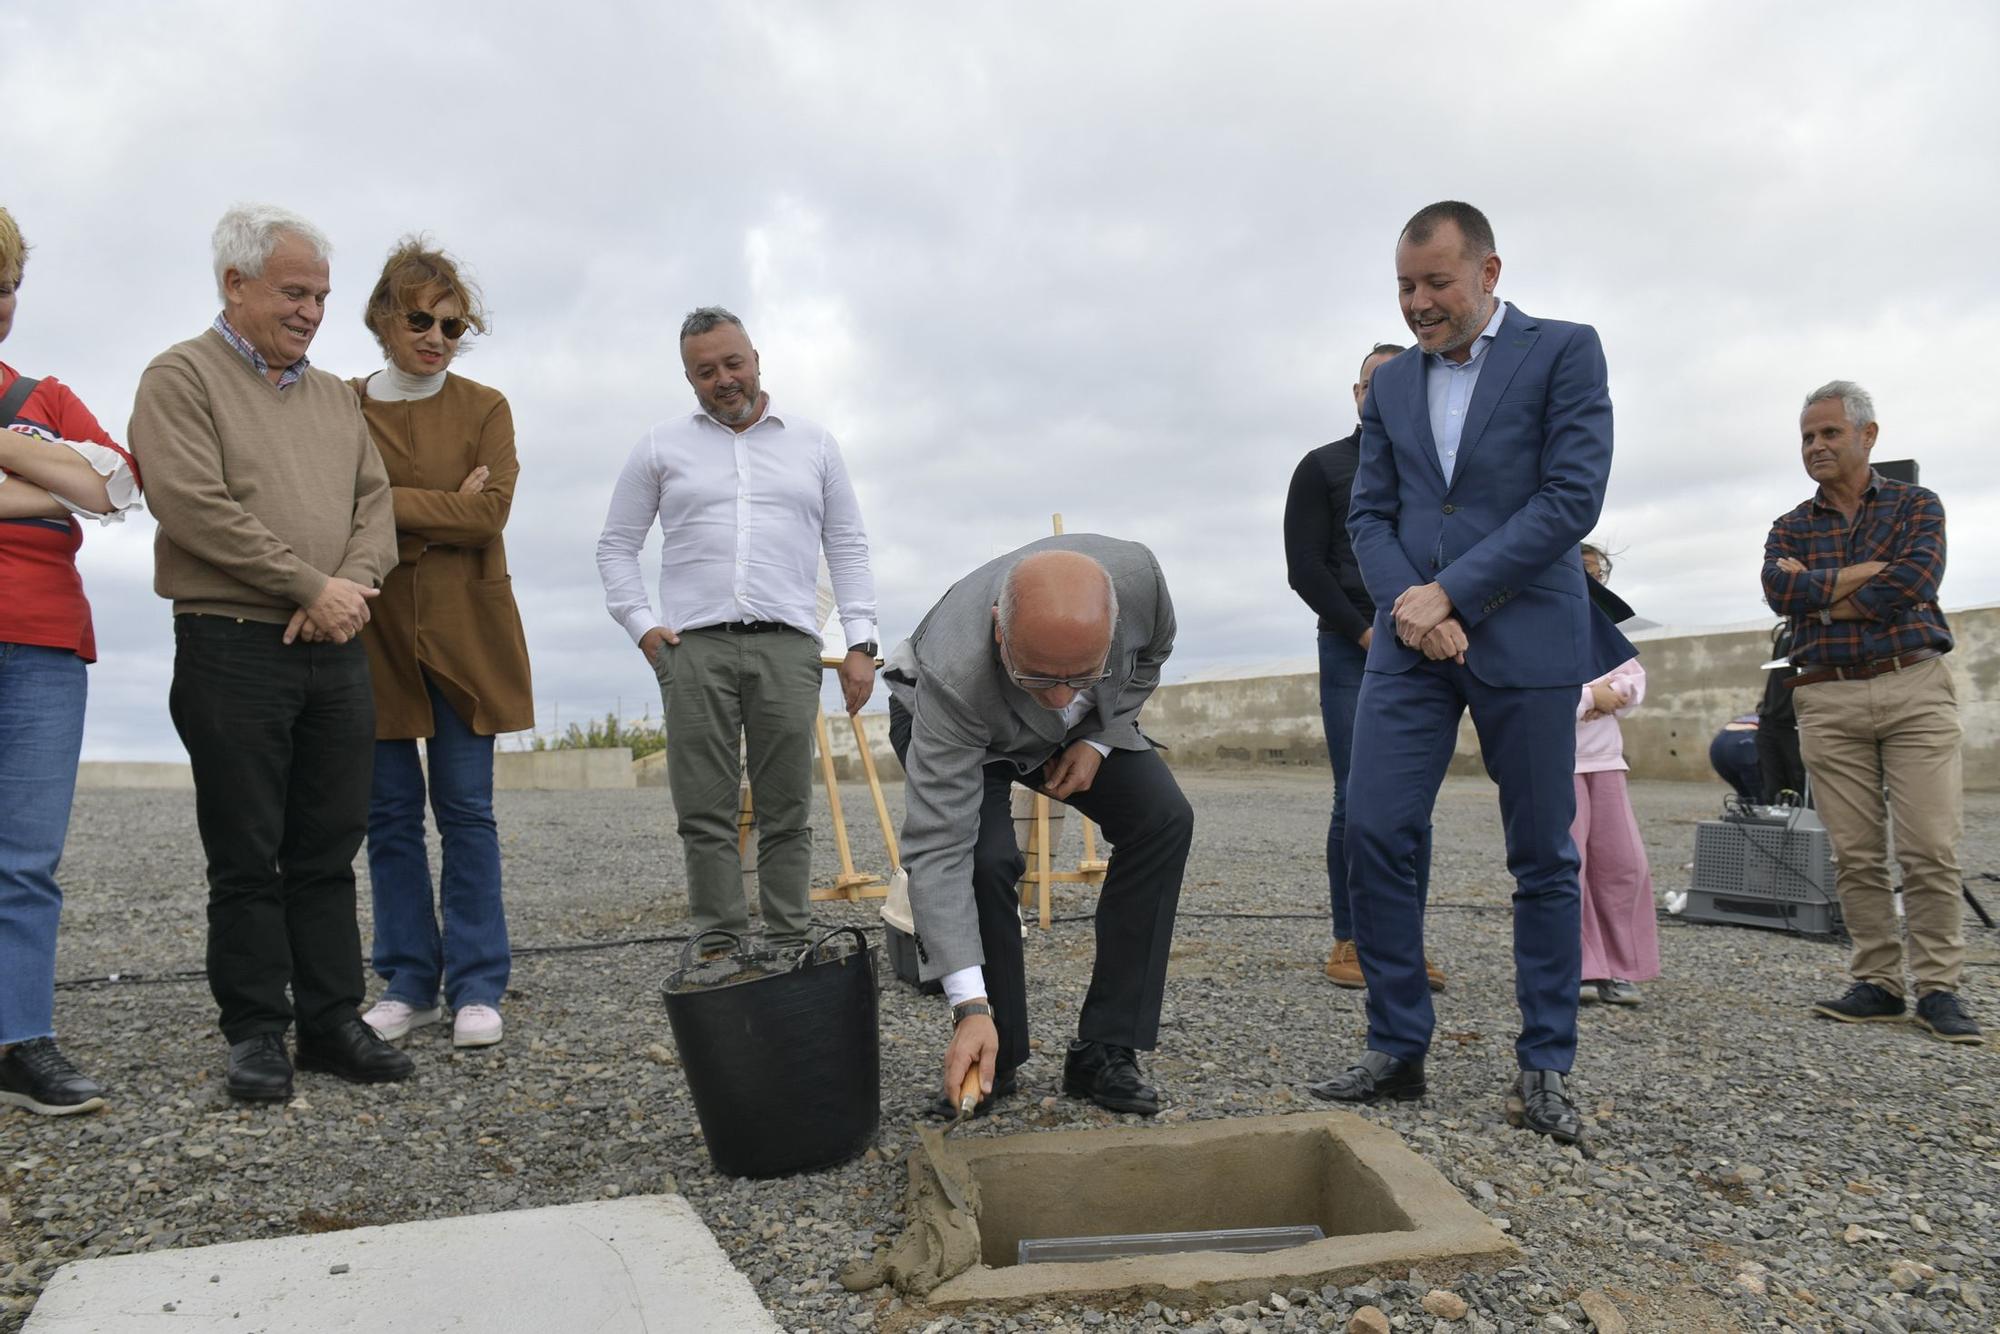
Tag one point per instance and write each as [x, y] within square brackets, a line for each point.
[1484, 454]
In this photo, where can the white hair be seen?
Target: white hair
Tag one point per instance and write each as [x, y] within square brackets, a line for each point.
[248, 233]
[1853, 398]
[1010, 598]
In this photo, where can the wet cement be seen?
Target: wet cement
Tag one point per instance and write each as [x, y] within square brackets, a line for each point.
[940, 1241]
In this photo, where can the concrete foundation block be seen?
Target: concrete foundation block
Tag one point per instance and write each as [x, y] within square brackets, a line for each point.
[616, 1265]
[1382, 1208]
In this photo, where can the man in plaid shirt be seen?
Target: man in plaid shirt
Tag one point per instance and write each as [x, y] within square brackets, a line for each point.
[1857, 569]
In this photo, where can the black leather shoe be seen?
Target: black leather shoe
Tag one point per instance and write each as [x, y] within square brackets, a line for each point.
[36, 1075]
[1109, 1077]
[942, 1108]
[355, 1052]
[1377, 1075]
[1540, 1103]
[259, 1070]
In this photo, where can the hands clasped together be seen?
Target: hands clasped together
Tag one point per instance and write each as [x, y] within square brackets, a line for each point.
[341, 608]
[1424, 622]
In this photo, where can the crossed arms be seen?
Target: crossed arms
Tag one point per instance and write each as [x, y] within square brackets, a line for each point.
[1874, 590]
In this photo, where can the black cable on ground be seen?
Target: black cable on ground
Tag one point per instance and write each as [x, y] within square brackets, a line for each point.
[138, 979]
[183, 976]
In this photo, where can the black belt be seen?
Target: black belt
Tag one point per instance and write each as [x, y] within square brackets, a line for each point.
[742, 627]
[1863, 671]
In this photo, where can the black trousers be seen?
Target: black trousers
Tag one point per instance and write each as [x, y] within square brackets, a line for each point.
[1778, 759]
[1149, 826]
[281, 739]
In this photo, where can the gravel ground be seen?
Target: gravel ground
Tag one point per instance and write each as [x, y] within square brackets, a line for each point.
[1754, 1167]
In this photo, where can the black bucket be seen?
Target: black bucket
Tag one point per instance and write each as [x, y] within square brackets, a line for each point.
[782, 1053]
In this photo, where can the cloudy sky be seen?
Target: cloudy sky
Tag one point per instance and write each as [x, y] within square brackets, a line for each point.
[1117, 260]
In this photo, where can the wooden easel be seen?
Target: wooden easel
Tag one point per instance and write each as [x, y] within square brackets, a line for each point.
[850, 885]
[1090, 868]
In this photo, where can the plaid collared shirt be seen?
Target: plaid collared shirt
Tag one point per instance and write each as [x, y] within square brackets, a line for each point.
[286, 378]
[1897, 523]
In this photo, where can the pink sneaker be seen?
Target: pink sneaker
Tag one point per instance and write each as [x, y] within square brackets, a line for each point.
[476, 1026]
[392, 1018]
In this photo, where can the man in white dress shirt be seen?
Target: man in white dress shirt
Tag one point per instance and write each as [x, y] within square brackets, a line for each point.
[747, 499]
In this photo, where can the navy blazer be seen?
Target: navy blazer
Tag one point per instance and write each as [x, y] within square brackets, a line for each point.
[1502, 536]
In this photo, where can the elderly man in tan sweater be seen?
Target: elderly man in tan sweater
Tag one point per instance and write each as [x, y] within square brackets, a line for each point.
[276, 529]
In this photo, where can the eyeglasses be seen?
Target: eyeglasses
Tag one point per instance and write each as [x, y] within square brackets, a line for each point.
[1027, 682]
[420, 321]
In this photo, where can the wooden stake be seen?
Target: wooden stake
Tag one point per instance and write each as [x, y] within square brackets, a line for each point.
[850, 884]
[875, 791]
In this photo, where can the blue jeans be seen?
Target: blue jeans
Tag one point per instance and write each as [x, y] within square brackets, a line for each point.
[1341, 662]
[465, 954]
[41, 732]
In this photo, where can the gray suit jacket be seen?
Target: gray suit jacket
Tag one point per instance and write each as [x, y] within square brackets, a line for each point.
[965, 714]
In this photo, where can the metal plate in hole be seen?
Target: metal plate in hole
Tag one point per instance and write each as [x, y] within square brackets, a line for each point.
[1240, 1240]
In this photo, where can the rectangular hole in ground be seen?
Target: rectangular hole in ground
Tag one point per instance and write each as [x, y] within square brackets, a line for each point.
[1255, 1180]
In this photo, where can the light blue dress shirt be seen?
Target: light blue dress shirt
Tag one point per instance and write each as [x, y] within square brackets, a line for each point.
[1450, 384]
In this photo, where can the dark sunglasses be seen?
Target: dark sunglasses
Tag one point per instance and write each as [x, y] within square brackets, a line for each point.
[1027, 682]
[420, 321]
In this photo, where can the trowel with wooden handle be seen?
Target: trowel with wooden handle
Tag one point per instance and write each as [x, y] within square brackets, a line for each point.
[954, 1178]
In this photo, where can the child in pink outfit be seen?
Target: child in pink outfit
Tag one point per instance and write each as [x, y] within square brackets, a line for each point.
[1621, 939]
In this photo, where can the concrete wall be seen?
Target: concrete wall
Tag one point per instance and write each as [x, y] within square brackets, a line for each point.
[847, 756]
[1694, 684]
[562, 770]
[652, 770]
[134, 773]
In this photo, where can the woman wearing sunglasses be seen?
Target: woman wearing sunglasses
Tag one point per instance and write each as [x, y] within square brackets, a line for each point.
[446, 652]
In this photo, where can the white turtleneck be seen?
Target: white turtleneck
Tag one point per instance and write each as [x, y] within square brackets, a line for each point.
[393, 384]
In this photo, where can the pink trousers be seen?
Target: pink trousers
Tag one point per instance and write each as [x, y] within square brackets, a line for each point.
[1621, 934]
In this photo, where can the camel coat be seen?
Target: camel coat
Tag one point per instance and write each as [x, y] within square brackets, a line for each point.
[447, 609]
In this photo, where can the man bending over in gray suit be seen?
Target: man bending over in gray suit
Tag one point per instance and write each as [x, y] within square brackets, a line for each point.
[1032, 669]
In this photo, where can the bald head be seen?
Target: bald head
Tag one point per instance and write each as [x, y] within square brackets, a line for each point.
[1056, 614]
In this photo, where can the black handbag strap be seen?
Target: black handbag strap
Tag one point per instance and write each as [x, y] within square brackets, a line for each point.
[11, 401]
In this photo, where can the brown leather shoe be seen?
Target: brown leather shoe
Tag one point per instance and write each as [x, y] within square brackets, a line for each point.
[1343, 966]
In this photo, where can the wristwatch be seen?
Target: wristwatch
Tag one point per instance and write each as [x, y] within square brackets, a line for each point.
[868, 646]
[964, 1010]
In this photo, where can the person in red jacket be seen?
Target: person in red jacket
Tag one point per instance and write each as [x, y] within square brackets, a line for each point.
[56, 463]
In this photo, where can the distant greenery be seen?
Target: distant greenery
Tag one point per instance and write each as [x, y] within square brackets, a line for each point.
[644, 736]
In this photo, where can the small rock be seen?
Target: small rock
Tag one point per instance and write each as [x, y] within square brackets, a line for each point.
[1368, 1320]
[1231, 1325]
[1444, 1305]
[337, 1269]
[1602, 1313]
[1921, 1224]
[1909, 1275]
[1752, 1282]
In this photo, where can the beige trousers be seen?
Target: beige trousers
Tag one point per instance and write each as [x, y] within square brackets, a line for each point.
[1898, 731]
